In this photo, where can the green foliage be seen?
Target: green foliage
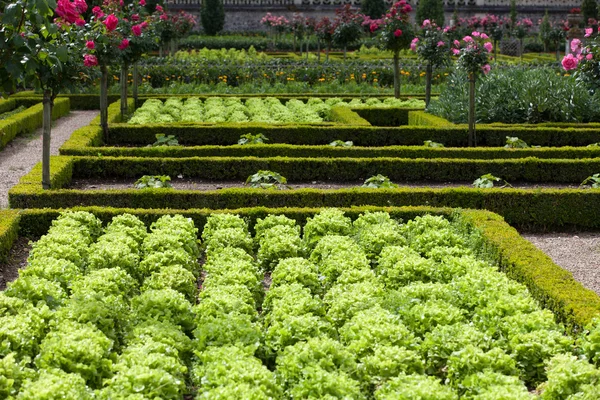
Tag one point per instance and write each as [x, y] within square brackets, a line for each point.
[37, 290]
[515, 143]
[278, 243]
[55, 383]
[487, 181]
[341, 143]
[519, 95]
[77, 348]
[297, 270]
[589, 9]
[429, 143]
[379, 181]
[212, 16]
[165, 140]
[327, 222]
[432, 10]
[164, 305]
[173, 277]
[373, 8]
[249, 138]
[264, 179]
[8, 114]
[153, 182]
[566, 376]
[593, 181]
[12, 375]
[407, 387]
[145, 381]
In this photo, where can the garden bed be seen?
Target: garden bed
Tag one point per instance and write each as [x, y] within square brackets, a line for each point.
[351, 277]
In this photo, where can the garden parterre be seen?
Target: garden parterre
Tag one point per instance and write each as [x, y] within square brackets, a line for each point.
[342, 315]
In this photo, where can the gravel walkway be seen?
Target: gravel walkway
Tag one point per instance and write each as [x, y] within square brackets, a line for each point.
[20, 155]
[578, 253]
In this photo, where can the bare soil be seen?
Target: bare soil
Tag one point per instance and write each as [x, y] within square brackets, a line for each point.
[207, 184]
[17, 259]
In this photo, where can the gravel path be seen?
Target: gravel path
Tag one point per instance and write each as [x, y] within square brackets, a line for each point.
[20, 155]
[578, 253]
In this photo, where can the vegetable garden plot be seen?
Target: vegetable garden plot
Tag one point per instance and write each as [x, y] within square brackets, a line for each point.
[370, 308]
[269, 110]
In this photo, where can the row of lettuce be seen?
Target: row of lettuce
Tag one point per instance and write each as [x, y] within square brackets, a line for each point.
[370, 308]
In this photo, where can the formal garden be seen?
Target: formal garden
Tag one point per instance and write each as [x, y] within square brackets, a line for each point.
[345, 207]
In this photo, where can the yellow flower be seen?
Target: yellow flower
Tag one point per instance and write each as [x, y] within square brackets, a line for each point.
[375, 80]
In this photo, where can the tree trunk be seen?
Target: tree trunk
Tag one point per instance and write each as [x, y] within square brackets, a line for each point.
[307, 50]
[396, 75]
[319, 51]
[472, 134]
[557, 51]
[428, 76]
[345, 52]
[294, 44]
[495, 51]
[124, 78]
[521, 49]
[160, 51]
[47, 127]
[327, 52]
[173, 47]
[104, 102]
[135, 83]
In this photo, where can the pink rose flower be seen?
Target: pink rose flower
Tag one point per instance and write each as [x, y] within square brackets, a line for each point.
[468, 39]
[135, 17]
[90, 60]
[413, 44]
[576, 46]
[569, 62]
[144, 25]
[81, 6]
[397, 33]
[124, 44]
[484, 36]
[589, 56]
[456, 43]
[111, 22]
[137, 30]
[67, 11]
[90, 44]
[164, 17]
[426, 23]
[455, 52]
[142, 3]
[159, 8]
[489, 46]
[486, 69]
[97, 11]
[475, 34]
[373, 27]
[588, 32]
[440, 44]
[80, 22]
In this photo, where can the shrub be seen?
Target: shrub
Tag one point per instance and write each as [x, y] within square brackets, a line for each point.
[407, 387]
[55, 383]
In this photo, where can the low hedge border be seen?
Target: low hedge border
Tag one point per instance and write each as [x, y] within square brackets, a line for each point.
[78, 101]
[422, 118]
[534, 209]
[9, 231]
[345, 115]
[385, 116]
[29, 120]
[501, 244]
[406, 135]
[531, 170]
[87, 141]
[7, 105]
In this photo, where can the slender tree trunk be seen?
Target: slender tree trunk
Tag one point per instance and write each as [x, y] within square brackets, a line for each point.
[327, 52]
[396, 75]
[521, 49]
[160, 51]
[307, 49]
[557, 51]
[294, 44]
[135, 83]
[318, 50]
[428, 76]
[47, 127]
[495, 51]
[124, 76]
[472, 133]
[104, 102]
[173, 47]
[345, 52]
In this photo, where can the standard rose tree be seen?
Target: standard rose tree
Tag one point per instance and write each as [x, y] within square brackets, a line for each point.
[583, 59]
[396, 33]
[473, 57]
[432, 46]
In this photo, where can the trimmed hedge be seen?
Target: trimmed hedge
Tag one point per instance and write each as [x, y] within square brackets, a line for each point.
[540, 209]
[422, 118]
[7, 105]
[385, 116]
[407, 135]
[87, 141]
[9, 231]
[340, 169]
[345, 115]
[78, 101]
[29, 120]
[552, 286]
